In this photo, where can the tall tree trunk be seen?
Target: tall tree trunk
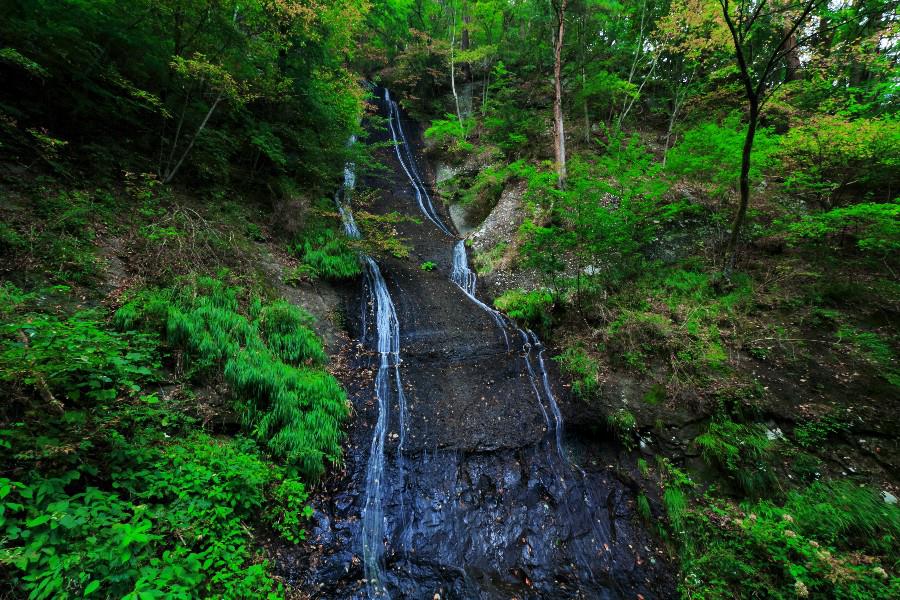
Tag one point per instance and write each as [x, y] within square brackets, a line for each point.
[791, 55]
[741, 213]
[453, 73]
[559, 133]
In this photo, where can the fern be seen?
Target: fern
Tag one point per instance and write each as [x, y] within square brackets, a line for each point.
[269, 357]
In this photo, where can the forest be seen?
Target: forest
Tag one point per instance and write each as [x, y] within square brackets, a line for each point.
[450, 299]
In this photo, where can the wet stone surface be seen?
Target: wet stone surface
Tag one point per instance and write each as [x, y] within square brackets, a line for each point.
[479, 501]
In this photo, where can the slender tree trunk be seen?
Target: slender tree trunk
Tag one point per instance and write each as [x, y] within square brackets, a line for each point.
[453, 74]
[638, 94]
[741, 213]
[559, 133]
[200, 129]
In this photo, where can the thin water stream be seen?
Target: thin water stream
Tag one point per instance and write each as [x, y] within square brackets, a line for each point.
[458, 483]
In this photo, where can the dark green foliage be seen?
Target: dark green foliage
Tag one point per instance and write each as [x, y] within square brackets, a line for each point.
[207, 92]
[77, 358]
[815, 431]
[57, 234]
[109, 493]
[172, 526]
[268, 356]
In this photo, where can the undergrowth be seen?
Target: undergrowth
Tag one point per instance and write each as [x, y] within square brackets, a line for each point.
[266, 353]
[110, 490]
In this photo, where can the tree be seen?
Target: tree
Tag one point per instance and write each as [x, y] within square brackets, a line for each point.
[763, 35]
[559, 134]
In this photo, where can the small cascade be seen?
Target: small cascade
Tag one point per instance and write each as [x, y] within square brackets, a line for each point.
[461, 274]
[409, 165]
[466, 279]
[342, 197]
[388, 377]
[387, 383]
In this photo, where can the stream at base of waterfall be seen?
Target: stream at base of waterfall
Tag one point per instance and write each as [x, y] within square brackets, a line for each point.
[459, 481]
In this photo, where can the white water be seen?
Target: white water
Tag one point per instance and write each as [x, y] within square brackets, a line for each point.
[387, 327]
[409, 168]
[466, 280]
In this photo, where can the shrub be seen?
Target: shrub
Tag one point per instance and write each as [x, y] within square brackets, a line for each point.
[874, 227]
[268, 356]
[531, 307]
[584, 371]
[76, 359]
[328, 255]
[741, 451]
[711, 153]
[427, 266]
[624, 425]
[830, 158]
[450, 134]
[807, 547]
[172, 526]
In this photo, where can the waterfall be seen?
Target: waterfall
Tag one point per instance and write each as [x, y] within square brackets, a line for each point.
[466, 279]
[387, 328]
[412, 173]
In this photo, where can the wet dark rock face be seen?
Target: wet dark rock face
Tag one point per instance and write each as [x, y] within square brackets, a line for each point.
[480, 502]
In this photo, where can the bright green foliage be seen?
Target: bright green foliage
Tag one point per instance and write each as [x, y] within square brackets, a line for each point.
[450, 135]
[268, 356]
[478, 194]
[290, 510]
[710, 153]
[583, 370]
[532, 307]
[611, 208]
[832, 160]
[173, 526]
[803, 548]
[427, 266]
[741, 451]
[328, 254]
[506, 124]
[77, 358]
[875, 227]
[114, 494]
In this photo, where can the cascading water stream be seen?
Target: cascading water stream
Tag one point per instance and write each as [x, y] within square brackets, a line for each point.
[462, 275]
[387, 328]
[410, 169]
[466, 279]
